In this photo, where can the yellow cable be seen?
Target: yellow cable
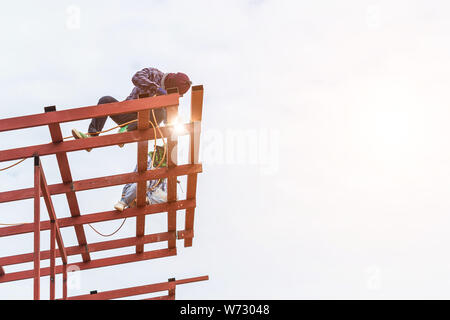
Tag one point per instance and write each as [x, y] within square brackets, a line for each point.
[98, 132]
[153, 158]
[110, 234]
[14, 164]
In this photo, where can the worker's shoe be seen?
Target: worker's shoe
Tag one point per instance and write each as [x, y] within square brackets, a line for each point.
[123, 129]
[120, 206]
[80, 135]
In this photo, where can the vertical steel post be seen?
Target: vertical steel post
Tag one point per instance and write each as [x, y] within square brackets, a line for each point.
[194, 151]
[52, 259]
[142, 154]
[172, 159]
[172, 285]
[65, 281]
[37, 228]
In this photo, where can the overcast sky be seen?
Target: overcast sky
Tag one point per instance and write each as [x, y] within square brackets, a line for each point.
[337, 183]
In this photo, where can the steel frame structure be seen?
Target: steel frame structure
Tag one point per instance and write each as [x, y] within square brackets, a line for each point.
[41, 189]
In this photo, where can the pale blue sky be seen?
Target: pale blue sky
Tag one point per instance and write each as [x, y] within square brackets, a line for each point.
[345, 193]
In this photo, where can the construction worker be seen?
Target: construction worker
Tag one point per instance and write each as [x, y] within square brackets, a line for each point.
[149, 81]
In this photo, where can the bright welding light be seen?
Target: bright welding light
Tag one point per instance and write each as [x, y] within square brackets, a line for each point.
[178, 125]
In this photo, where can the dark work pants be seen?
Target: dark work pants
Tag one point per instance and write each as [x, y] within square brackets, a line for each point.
[97, 124]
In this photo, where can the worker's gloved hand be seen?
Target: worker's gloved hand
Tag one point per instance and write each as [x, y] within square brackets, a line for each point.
[161, 92]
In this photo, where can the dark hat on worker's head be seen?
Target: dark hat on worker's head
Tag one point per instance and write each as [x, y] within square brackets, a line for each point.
[177, 80]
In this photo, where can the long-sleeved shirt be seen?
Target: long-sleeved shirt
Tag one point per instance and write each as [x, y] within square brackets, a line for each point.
[148, 80]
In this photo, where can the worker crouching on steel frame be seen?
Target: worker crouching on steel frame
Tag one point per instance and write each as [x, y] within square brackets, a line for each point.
[150, 81]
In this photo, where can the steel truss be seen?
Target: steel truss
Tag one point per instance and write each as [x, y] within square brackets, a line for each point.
[58, 147]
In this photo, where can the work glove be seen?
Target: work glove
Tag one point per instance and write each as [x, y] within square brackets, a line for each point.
[161, 92]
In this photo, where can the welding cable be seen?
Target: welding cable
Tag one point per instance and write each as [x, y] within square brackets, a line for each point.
[13, 165]
[123, 222]
[110, 234]
[107, 130]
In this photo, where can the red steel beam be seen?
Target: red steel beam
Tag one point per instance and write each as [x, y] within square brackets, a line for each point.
[75, 114]
[134, 291]
[103, 182]
[52, 259]
[100, 217]
[172, 155]
[159, 298]
[172, 289]
[66, 176]
[98, 263]
[64, 284]
[99, 246]
[194, 143]
[91, 143]
[2, 271]
[142, 156]
[36, 273]
[52, 215]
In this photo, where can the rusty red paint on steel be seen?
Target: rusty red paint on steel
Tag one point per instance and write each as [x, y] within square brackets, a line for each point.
[100, 246]
[134, 291]
[59, 148]
[142, 155]
[103, 182]
[196, 118]
[52, 259]
[52, 215]
[172, 154]
[36, 230]
[66, 176]
[159, 298]
[98, 263]
[75, 114]
[91, 143]
[100, 217]
[64, 284]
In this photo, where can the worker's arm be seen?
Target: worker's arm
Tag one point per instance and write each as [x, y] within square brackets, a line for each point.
[142, 80]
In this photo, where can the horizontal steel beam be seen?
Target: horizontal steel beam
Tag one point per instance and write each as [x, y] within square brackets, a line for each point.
[101, 246]
[134, 291]
[90, 143]
[100, 217]
[98, 263]
[159, 298]
[103, 182]
[96, 111]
